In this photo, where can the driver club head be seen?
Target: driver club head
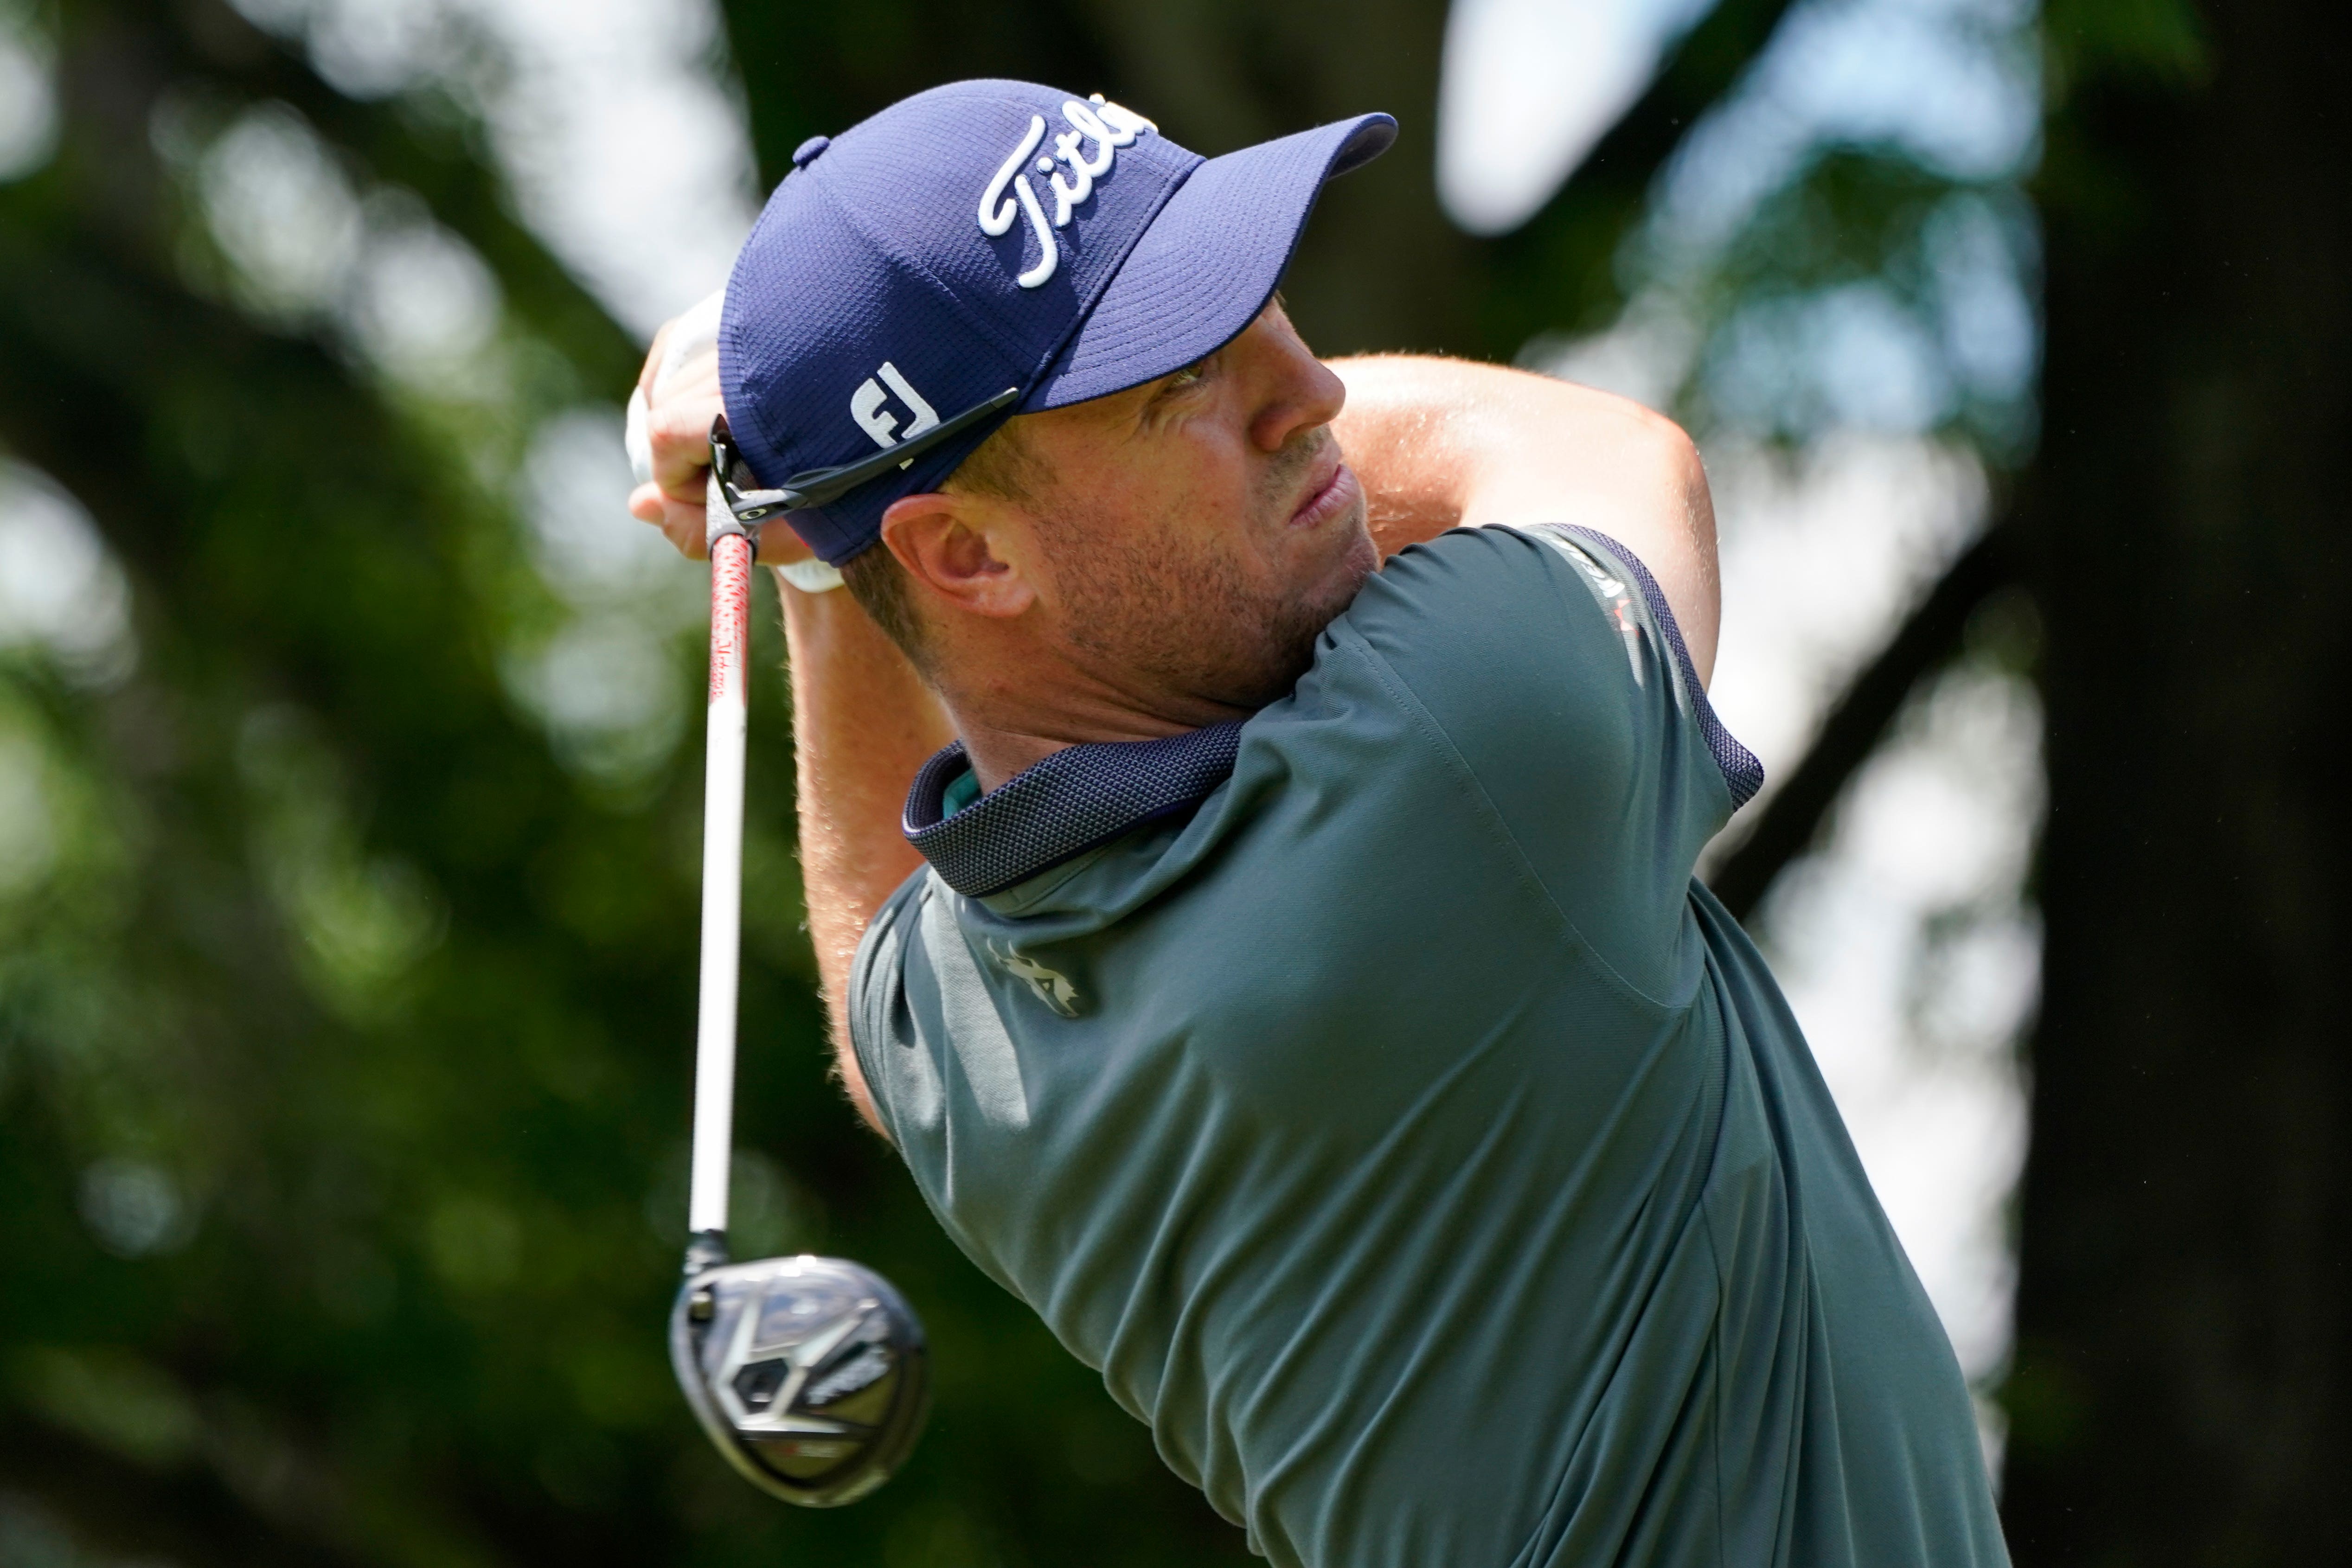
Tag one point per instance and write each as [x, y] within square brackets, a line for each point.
[808, 1374]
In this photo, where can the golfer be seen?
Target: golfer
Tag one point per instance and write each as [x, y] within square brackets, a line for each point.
[1284, 972]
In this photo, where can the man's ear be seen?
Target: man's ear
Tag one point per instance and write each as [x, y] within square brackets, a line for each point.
[968, 550]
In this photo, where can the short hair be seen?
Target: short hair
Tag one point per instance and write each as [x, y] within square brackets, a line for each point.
[1005, 467]
[881, 585]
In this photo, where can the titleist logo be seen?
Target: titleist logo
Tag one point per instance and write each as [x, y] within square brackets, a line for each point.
[1108, 126]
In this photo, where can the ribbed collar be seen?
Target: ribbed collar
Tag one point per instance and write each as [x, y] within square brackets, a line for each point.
[1079, 797]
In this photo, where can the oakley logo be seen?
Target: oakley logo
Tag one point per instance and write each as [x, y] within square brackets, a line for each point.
[868, 405]
[1106, 125]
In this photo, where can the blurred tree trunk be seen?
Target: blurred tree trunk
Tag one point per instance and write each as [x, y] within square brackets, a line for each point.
[2183, 1385]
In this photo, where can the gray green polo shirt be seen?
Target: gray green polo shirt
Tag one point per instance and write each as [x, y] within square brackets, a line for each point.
[1369, 1091]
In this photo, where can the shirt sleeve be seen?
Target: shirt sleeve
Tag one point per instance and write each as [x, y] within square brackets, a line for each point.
[1550, 663]
[900, 1075]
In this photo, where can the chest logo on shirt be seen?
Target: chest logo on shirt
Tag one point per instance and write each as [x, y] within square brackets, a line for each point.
[1053, 987]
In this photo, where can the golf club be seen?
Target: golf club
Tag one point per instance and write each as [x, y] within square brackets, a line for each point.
[808, 1374]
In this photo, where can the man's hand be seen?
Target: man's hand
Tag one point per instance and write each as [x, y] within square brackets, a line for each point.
[680, 385]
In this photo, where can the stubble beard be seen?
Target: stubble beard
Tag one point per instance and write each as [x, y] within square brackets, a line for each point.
[1178, 614]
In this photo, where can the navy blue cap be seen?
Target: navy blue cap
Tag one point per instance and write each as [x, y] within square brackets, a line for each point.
[987, 235]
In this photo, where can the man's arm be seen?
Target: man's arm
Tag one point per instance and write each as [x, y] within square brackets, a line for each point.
[863, 723]
[1445, 444]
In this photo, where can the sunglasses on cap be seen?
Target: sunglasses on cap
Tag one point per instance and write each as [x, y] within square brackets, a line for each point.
[820, 487]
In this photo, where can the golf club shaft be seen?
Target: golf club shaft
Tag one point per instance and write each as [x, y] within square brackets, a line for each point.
[722, 882]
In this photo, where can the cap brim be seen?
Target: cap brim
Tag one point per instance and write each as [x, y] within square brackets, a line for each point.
[1208, 264]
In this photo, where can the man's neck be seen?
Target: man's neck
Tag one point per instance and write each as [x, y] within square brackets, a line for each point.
[1062, 697]
[1001, 745]
[997, 755]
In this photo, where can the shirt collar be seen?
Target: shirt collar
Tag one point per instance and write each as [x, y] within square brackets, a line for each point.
[1075, 799]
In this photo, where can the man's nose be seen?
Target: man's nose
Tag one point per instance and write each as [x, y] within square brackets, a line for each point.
[1294, 391]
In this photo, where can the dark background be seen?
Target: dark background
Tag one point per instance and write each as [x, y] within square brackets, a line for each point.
[342, 1045]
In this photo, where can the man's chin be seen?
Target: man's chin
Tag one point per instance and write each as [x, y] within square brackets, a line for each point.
[1297, 626]
[1357, 560]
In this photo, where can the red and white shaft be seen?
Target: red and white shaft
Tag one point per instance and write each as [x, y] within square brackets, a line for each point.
[722, 879]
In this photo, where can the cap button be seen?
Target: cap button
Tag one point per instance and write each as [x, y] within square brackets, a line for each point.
[806, 153]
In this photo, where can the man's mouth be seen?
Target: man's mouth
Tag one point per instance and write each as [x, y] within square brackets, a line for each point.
[1334, 490]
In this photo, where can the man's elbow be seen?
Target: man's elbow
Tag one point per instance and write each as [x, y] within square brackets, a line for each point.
[1674, 461]
[1685, 566]
[1702, 590]
[1659, 452]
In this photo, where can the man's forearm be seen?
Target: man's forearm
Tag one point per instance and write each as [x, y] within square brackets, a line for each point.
[1444, 443]
[863, 723]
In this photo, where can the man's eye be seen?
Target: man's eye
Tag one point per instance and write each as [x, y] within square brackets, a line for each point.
[1177, 383]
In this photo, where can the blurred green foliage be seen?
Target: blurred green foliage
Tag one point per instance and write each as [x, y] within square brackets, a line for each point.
[347, 951]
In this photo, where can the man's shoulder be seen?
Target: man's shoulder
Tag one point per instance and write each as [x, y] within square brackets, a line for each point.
[1525, 591]
[1540, 629]
[1499, 635]
[1543, 577]
[878, 1014]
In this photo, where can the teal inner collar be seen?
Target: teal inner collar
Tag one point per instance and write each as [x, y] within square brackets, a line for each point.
[961, 791]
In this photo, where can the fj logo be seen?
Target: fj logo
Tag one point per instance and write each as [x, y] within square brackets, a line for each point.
[870, 407]
[1100, 128]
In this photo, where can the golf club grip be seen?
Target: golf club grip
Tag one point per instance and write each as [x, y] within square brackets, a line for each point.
[722, 881]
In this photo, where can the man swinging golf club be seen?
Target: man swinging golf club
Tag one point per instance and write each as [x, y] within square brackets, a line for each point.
[1286, 972]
